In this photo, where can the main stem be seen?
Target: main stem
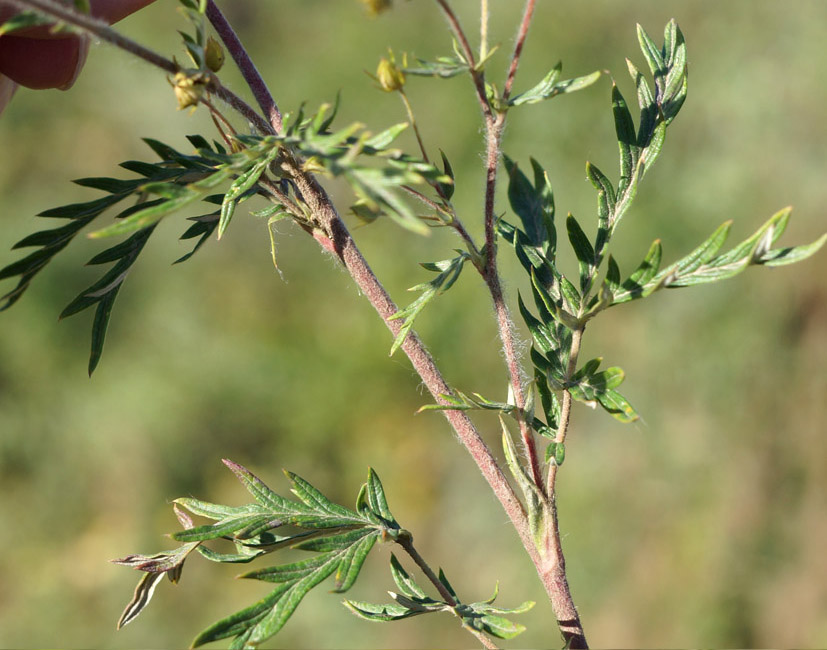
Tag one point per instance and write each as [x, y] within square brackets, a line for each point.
[551, 566]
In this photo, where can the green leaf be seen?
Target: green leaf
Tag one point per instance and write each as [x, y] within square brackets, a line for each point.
[542, 335]
[541, 91]
[242, 186]
[103, 292]
[705, 252]
[592, 388]
[652, 53]
[377, 500]
[256, 487]
[639, 149]
[704, 265]
[404, 582]
[51, 242]
[380, 613]
[301, 578]
[583, 250]
[792, 254]
[626, 136]
[534, 204]
[549, 87]
[340, 538]
[447, 189]
[499, 627]
[618, 406]
[204, 226]
[449, 271]
[382, 140]
[444, 67]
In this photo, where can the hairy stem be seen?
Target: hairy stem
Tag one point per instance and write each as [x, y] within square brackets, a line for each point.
[528, 13]
[406, 543]
[552, 567]
[334, 237]
[245, 64]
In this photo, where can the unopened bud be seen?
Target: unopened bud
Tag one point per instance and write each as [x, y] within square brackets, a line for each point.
[390, 77]
[213, 55]
[376, 7]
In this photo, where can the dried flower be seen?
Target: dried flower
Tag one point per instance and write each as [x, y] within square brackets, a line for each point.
[189, 86]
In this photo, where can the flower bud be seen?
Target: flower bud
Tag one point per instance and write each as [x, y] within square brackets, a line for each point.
[376, 7]
[213, 55]
[390, 77]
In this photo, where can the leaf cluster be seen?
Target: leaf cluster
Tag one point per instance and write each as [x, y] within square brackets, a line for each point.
[222, 177]
[411, 600]
[340, 538]
[563, 306]
[353, 153]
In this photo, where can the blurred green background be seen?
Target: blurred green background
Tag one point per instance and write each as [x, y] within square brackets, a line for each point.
[701, 525]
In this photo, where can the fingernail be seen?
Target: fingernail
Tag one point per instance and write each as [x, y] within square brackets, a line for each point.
[82, 52]
[7, 88]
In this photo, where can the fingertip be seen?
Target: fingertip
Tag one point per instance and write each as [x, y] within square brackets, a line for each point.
[114, 10]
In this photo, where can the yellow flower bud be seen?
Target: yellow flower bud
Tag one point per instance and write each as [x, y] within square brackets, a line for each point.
[376, 7]
[390, 77]
[213, 55]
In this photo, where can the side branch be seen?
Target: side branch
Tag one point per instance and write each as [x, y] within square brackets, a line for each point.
[528, 13]
[476, 75]
[100, 29]
[245, 64]
[407, 544]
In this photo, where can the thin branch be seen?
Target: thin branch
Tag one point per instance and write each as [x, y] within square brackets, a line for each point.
[518, 47]
[483, 29]
[100, 29]
[406, 543]
[96, 27]
[245, 65]
[333, 236]
[412, 120]
[476, 75]
[565, 407]
[454, 222]
[549, 561]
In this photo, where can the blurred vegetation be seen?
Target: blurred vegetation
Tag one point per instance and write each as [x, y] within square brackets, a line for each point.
[703, 525]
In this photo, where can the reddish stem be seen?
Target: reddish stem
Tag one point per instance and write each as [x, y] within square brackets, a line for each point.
[245, 64]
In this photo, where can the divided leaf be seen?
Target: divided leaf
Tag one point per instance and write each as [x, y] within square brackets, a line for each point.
[549, 87]
[704, 265]
[449, 271]
[413, 601]
[340, 538]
